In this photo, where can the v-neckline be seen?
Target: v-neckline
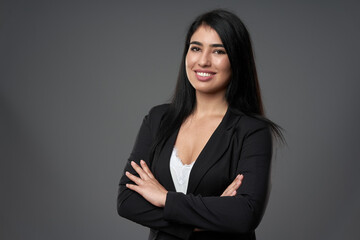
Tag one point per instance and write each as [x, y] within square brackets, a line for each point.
[210, 154]
[207, 143]
[179, 159]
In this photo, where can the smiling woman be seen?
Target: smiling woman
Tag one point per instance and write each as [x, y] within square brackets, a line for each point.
[200, 165]
[207, 64]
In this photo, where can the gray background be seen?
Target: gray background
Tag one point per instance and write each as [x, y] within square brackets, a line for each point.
[76, 79]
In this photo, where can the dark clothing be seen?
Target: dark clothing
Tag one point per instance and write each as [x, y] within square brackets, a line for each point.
[240, 144]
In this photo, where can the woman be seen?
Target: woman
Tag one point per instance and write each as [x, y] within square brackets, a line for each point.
[183, 176]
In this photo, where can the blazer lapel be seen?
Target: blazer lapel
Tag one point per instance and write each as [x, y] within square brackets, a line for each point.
[163, 163]
[213, 150]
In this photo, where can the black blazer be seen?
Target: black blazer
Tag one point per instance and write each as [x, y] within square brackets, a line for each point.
[240, 144]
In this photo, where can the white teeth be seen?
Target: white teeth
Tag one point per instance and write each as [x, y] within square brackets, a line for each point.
[203, 74]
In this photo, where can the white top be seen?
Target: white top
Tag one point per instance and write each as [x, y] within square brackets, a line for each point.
[179, 172]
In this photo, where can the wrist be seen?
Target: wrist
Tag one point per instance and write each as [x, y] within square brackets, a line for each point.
[163, 201]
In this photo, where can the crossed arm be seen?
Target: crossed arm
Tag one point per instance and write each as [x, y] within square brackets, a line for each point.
[152, 192]
[150, 189]
[144, 200]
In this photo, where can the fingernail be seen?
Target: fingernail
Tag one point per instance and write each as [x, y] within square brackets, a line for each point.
[126, 173]
[142, 161]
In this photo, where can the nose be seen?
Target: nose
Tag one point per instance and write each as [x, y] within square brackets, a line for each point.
[204, 60]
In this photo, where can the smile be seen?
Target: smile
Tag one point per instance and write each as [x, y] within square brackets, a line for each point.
[204, 74]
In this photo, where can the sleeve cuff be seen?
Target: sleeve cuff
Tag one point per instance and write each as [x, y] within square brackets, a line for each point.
[170, 210]
[171, 206]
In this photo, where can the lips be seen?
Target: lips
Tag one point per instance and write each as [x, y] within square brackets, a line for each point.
[204, 75]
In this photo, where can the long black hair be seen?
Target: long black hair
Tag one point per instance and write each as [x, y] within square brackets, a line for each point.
[243, 91]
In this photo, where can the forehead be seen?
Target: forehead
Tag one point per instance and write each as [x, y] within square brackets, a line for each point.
[206, 35]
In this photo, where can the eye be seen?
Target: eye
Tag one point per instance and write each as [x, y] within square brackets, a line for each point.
[195, 49]
[220, 51]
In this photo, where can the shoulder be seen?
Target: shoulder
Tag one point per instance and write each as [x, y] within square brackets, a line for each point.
[246, 125]
[151, 121]
[158, 110]
[253, 134]
[155, 115]
[253, 123]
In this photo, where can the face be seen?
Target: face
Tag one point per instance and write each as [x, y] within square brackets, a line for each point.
[207, 63]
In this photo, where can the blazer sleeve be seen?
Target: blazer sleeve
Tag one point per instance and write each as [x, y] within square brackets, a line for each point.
[241, 213]
[133, 206]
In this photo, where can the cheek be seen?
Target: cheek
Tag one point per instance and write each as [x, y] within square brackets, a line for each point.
[190, 60]
[188, 65]
[224, 65]
[187, 62]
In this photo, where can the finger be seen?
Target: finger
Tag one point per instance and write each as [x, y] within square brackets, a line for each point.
[226, 192]
[139, 170]
[238, 181]
[146, 169]
[133, 187]
[229, 191]
[133, 178]
[233, 185]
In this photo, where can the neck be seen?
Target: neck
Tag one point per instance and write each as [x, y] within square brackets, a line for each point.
[210, 104]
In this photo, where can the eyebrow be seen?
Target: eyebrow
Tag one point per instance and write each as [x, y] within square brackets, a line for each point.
[212, 45]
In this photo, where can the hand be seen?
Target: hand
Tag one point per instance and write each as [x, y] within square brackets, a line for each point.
[146, 185]
[230, 191]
